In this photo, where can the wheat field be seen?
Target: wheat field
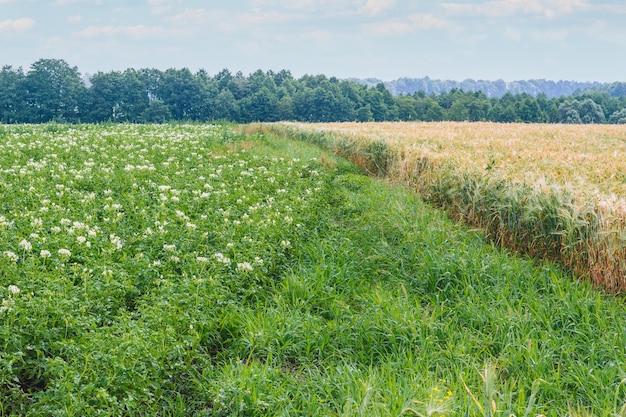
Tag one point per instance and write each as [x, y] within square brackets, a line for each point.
[589, 160]
[553, 191]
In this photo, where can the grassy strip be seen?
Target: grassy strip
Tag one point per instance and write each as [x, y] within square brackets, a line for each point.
[367, 302]
[546, 222]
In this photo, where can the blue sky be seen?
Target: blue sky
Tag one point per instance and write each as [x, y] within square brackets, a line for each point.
[582, 40]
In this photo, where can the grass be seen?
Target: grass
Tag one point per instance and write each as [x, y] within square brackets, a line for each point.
[554, 192]
[366, 301]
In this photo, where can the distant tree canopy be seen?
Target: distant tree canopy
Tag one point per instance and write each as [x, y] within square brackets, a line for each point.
[496, 88]
[52, 90]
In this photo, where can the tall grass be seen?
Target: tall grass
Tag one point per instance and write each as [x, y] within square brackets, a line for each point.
[580, 226]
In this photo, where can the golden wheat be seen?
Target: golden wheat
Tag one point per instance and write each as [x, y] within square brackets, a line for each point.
[588, 159]
[575, 173]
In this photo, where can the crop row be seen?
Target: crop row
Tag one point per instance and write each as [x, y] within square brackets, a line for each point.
[116, 246]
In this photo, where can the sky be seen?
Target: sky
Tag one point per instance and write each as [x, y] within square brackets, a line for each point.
[580, 40]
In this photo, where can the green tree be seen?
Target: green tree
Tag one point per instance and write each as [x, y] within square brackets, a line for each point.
[591, 112]
[238, 85]
[618, 117]
[529, 110]
[223, 78]
[502, 113]
[53, 91]
[429, 110]
[285, 100]
[407, 108]
[302, 104]
[188, 96]
[12, 94]
[549, 108]
[285, 108]
[568, 112]
[117, 97]
[585, 111]
[353, 92]
[102, 97]
[446, 100]
[364, 114]
[156, 112]
[478, 106]
[259, 80]
[390, 102]
[312, 81]
[225, 107]
[281, 78]
[261, 106]
[376, 101]
[151, 80]
[458, 112]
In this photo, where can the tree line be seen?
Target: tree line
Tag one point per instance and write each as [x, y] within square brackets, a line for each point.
[52, 90]
[496, 88]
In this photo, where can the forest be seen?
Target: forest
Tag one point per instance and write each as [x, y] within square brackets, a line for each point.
[497, 88]
[52, 90]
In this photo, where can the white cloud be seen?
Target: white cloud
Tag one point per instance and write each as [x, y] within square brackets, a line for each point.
[427, 22]
[513, 33]
[66, 2]
[555, 35]
[135, 32]
[317, 36]
[597, 27]
[18, 25]
[309, 6]
[159, 7]
[222, 21]
[190, 16]
[201, 17]
[374, 7]
[502, 8]
[613, 8]
[74, 19]
[159, 10]
[295, 4]
[266, 17]
[413, 22]
[389, 27]
[331, 8]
